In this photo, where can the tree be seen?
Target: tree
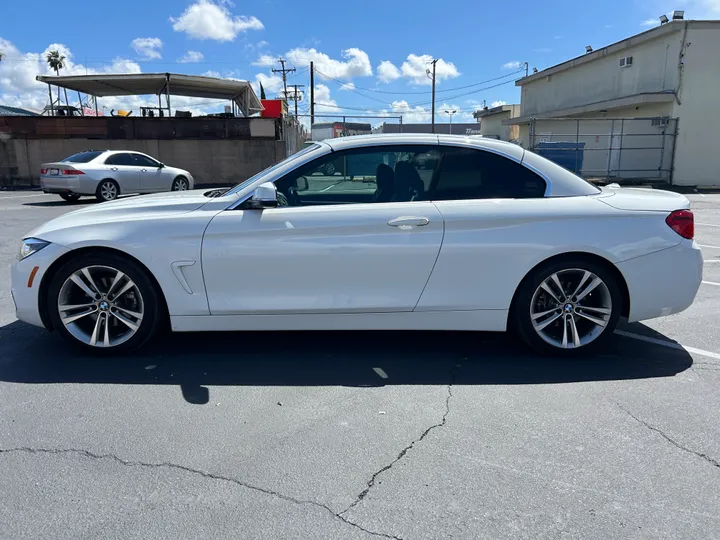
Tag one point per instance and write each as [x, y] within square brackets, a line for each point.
[262, 92]
[56, 61]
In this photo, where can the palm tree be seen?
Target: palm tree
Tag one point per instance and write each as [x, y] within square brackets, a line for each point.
[56, 61]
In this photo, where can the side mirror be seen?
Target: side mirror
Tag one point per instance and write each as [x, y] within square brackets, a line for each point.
[161, 165]
[265, 196]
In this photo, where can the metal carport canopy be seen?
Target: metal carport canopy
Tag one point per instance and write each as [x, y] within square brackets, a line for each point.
[138, 84]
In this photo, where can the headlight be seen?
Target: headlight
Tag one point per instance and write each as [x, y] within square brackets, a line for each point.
[30, 246]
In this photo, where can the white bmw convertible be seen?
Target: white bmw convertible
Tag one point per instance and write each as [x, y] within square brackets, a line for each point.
[409, 232]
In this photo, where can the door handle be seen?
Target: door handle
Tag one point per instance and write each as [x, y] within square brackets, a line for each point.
[408, 221]
[113, 168]
[143, 170]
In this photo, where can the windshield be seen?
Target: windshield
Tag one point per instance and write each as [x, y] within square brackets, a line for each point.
[282, 163]
[83, 157]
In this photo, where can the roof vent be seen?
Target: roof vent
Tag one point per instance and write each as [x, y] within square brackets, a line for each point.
[678, 15]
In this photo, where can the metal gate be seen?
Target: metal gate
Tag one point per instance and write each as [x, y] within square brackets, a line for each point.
[634, 150]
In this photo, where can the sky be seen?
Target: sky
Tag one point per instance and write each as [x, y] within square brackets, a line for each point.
[370, 58]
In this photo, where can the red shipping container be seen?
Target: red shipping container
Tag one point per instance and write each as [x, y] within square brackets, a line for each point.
[274, 108]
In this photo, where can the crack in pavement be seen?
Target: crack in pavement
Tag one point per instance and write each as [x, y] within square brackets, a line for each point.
[204, 474]
[707, 458]
[404, 451]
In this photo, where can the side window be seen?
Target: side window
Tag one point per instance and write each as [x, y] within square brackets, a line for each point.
[120, 159]
[144, 161]
[476, 174]
[363, 175]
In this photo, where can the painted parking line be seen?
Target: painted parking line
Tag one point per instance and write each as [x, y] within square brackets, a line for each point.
[707, 224]
[380, 372]
[711, 261]
[708, 247]
[669, 344]
[710, 283]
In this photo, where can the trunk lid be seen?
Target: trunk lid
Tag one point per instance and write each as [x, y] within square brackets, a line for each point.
[647, 200]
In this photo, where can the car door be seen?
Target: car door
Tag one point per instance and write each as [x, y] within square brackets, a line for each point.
[122, 168]
[338, 256]
[498, 226]
[152, 177]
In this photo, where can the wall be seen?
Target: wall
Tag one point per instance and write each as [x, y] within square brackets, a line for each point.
[492, 126]
[654, 69]
[209, 161]
[697, 160]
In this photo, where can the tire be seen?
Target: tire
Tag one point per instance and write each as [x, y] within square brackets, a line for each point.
[107, 190]
[70, 197]
[329, 169]
[137, 301]
[534, 306]
[180, 184]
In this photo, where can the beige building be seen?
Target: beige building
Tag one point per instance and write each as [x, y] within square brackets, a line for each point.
[491, 122]
[652, 98]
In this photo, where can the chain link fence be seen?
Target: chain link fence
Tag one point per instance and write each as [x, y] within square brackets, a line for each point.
[634, 150]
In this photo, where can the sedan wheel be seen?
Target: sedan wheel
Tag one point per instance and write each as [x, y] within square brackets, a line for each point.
[107, 191]
[180, 184]
[103, 303]
[568, 307]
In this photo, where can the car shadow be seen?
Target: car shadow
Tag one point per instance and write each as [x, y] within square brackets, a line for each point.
[359, 359]
[61, 202]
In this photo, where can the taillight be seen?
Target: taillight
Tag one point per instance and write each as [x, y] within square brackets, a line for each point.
[682, 222]
[72, 172]
[43, 171]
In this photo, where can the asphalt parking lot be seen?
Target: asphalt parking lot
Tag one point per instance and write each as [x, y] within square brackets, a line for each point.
[372, 435]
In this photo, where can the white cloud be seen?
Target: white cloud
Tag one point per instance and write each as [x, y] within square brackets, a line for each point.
[415, 68]
[388, 72]
[265, 60]
[208, 20]
[262, 44]
[348, 86]
[650, 22]
[323, 103]
[192, 57]
[511, 65]
[355, 62]
[212, 73]
[498, 103]
[271, 83]
[147, 48]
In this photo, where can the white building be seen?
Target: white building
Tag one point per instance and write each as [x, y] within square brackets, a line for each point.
[666, 73]
[491, 122]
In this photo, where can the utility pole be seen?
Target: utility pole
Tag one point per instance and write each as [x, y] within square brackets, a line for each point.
[427, 71]
[312, 93]
[284, 75]
[526, 68]
[296, 95]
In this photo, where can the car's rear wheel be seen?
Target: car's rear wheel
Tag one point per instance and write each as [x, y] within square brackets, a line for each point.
[104, 303]
[180, 184]
[70, 197]
[107, 190]
[568, 307]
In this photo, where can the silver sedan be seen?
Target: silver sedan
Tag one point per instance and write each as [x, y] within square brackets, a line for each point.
[106, 174]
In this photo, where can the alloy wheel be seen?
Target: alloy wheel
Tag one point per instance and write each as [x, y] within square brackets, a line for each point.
[571, 308]
[181, 184]
[108, 191]
[100, 306]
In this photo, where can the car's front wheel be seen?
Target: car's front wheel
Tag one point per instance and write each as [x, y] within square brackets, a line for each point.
[180, 184]
[104, 303]
[567, 307]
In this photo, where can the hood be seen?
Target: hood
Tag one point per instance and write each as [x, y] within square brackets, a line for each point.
[638, 199]
[127, 209]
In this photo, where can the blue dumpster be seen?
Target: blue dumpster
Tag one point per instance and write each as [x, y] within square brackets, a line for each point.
[564, 153]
